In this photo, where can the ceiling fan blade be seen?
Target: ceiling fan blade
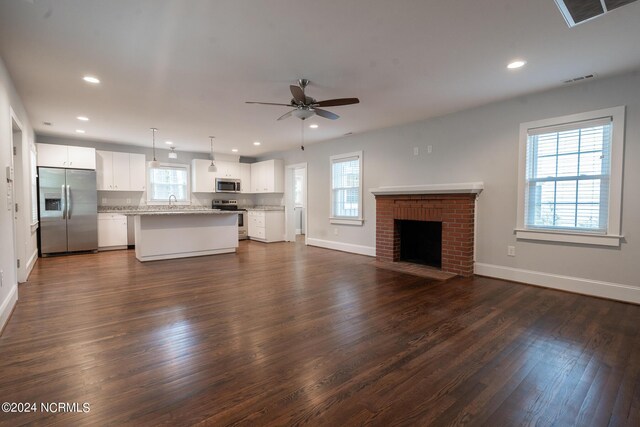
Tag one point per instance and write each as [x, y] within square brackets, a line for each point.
[326, 114]
[285, 115]
[298, 93]
[267, 103]
[336, 102]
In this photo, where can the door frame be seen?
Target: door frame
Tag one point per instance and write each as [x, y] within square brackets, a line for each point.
[289, 204]
[18, 191]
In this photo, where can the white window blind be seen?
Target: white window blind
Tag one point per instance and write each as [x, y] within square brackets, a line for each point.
[346, 194]
[168, 180]
[568, 175]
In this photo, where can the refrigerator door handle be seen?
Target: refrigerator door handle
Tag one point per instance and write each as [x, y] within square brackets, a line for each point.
[68, 202]
[64, 203]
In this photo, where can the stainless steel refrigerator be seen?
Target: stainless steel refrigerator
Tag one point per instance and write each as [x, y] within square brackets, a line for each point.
[68, 210]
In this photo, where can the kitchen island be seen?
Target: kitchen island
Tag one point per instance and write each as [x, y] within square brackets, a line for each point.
[184, 233]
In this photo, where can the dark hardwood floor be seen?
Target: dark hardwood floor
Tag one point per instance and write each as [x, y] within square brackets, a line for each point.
[284, 334]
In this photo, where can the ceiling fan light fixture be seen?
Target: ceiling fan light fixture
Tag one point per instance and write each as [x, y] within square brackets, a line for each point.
[303, 114]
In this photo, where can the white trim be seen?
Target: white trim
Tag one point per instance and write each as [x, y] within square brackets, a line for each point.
[7, 306]
[569, 237]
[32, 262]
[617, 115]
[344, 221]
[344, 247]
[457, 188]
[185, 254]
[615, 291]
[339, 157]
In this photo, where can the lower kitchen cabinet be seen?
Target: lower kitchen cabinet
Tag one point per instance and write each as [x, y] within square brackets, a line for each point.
[112, 231]
[266, 226]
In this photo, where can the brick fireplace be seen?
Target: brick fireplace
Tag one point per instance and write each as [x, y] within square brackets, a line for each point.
[452, 205]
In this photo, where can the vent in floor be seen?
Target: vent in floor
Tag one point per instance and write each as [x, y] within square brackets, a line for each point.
[578, 11]
[578, 79]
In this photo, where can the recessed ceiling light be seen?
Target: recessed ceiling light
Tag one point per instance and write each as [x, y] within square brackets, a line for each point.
[47, 123]
[516, 64]
[79, 131]
[313, 126]
[169, 142]
[235, 150]
[83, 118]
[91, 79]
[257, 143]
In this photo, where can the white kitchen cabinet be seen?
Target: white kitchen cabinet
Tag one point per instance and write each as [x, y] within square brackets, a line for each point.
[137, 172]
[229, 170]
[64, 156]
[245, 177]
[202, 179]
[112, 231]
[266, 226]
[120, 171]
[267, 176]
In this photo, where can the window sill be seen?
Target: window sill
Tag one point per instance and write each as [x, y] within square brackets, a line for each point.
[568, 237]
[345, 221]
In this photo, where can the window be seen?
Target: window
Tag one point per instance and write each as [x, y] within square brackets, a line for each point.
[346, 189]
[167, 180]
[571, 178]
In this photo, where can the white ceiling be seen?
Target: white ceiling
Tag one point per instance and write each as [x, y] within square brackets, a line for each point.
[187, 67]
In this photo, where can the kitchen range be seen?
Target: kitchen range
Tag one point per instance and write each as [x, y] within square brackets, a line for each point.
[232, 205]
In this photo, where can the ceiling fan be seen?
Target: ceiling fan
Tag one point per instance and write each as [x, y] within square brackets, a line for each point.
[304, 106]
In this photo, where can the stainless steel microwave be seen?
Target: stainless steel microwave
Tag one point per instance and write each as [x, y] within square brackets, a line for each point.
[225, 185]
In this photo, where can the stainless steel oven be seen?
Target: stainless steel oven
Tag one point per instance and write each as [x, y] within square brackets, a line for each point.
[225, 185]
[232, 205]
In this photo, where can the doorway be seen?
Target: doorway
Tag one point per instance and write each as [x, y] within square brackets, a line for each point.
[296, 202]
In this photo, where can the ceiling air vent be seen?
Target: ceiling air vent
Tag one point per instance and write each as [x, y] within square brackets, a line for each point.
[578, 11]
[579, 79]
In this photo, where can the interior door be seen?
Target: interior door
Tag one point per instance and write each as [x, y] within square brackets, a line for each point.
[53, 223]
[82, 210]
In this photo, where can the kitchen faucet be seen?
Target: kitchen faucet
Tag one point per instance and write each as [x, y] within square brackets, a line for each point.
[175, 199]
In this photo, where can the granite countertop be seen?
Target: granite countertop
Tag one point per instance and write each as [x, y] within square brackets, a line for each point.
[266, 208]
[162, 210]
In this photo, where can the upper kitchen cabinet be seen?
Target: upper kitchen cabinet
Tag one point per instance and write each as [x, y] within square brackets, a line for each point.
[267, 176]
[120, 171]
[245, 177]
[229, 170]
[64, 156]
[202, 179]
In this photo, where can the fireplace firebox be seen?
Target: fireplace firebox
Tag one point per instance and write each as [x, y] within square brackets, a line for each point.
[420, 242]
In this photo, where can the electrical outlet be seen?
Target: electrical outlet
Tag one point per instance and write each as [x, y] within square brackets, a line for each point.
[511, 250]
[416, 151]
[1, 278]
[429, 149]
[335, 231]
[128, 201]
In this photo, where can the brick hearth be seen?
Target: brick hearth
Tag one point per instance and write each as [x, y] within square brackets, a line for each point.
[455, 211]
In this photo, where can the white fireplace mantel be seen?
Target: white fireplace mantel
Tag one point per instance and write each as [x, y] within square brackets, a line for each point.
[459, 188]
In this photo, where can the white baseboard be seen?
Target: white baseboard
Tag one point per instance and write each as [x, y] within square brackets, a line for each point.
[7, 306]
[344, 247]
[615, 291]
[32, 262]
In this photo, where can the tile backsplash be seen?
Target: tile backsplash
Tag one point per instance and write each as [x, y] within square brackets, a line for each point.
[136, 199]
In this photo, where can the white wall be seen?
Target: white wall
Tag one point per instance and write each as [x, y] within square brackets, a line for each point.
[481, 144]
[27, 246]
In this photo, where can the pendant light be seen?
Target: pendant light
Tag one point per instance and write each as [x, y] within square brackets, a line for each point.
[154, 163]
[212, 166]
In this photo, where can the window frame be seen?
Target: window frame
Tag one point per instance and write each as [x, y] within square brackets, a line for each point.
[612, 236]
[346, 220]
[150, 201]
